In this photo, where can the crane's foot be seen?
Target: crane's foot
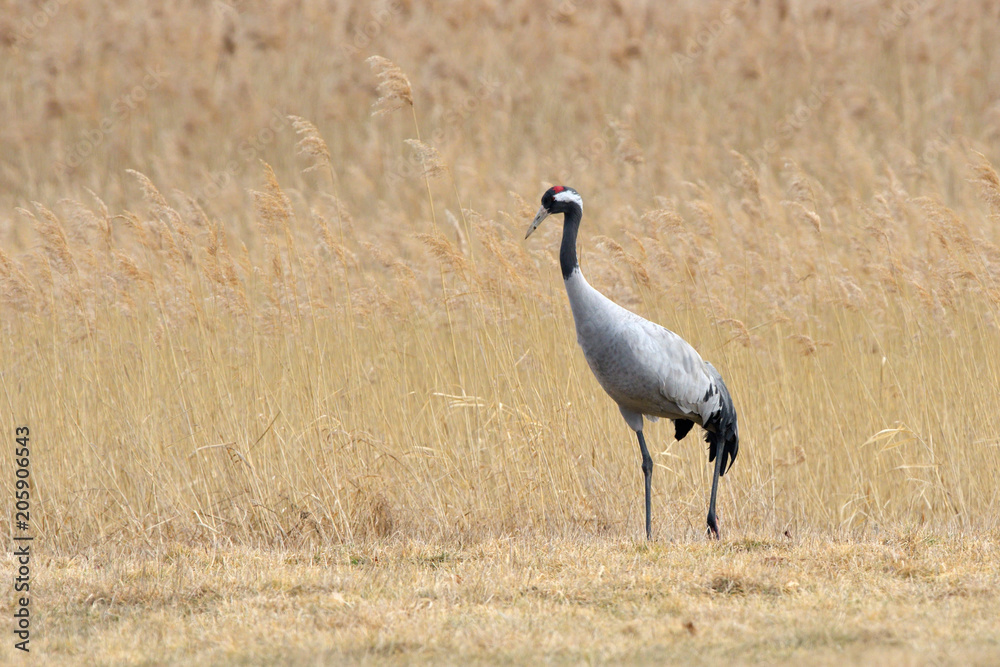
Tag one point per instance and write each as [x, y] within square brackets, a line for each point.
[713, 527]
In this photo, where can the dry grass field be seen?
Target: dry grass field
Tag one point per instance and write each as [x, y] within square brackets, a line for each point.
[299, 391]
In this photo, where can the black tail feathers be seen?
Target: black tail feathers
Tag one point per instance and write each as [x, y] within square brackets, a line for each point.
[722, 427]
[730, 446]
[681, 428]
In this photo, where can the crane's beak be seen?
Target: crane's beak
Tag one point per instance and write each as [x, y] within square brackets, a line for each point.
[541, 215]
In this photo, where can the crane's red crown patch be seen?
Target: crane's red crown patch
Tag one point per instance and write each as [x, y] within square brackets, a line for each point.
[558, 189]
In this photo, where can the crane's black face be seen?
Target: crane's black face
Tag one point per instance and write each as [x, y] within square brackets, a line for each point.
[557, 199]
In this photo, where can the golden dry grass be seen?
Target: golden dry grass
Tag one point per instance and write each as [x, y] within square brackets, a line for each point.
[267, 309]
[902, 600]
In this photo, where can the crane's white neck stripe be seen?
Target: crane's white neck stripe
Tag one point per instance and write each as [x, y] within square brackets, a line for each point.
[569, 196]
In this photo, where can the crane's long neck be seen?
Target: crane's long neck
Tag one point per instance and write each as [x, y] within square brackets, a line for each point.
[567, 251]
[592, 311]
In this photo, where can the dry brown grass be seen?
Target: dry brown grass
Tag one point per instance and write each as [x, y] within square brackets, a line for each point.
[265, 300]
[906, 599]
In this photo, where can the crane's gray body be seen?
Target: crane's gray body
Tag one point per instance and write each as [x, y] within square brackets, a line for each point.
[646, 369]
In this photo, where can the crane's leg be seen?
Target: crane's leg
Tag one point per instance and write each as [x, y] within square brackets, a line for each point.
[647, 471]
[713, 525]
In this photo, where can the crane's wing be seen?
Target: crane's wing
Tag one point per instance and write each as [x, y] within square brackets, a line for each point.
[682, 376]
[695, 387]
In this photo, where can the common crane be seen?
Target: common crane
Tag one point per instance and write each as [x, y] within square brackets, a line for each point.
[646, 369]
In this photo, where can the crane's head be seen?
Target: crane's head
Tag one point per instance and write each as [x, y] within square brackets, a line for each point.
[557, 199]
